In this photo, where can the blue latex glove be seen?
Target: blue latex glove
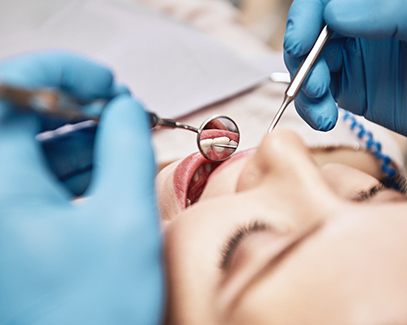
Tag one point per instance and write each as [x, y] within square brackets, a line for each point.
[71, 159]
[96, 261]
[364, 67]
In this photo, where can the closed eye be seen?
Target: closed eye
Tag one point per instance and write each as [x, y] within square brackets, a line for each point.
[236, 238]
[366, 195]
[398, 184]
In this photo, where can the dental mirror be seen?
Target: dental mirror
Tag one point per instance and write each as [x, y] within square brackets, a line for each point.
[218, 138]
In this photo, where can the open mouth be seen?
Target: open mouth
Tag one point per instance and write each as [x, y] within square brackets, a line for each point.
[190, 178]
[192, 174]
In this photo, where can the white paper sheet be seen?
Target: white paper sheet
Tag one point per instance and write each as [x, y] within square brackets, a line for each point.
[172, 68]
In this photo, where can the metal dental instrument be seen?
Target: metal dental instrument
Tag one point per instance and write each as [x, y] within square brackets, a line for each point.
[302, 73]
[217, 138]
[44, 101]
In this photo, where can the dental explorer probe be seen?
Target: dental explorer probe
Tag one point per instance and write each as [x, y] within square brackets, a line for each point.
[55, 104]
[302, 73]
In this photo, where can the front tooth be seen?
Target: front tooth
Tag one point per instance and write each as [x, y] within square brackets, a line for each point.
[233, 143]
[206, 144]
[220, 140]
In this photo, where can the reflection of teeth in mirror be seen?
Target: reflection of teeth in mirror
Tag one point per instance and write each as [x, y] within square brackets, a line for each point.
[233, 143]
[206, 145]
[220, 140]
[206, 134]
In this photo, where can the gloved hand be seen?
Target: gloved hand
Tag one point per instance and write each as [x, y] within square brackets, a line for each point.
[94, 261]
[364, 67]
[71, 157]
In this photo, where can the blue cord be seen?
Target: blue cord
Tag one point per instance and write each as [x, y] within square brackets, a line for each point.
[372, 145]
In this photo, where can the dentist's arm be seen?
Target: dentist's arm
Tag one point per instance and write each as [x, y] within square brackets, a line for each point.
[97, 261]
[364, 68]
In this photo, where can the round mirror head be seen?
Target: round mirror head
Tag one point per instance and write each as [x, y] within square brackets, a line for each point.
[218, 138]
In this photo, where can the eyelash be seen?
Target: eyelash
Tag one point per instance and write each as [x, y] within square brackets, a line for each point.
[237, 236]
[370, 193]
[398, 184]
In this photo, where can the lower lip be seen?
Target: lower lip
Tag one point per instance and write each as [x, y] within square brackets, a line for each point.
[183, 175]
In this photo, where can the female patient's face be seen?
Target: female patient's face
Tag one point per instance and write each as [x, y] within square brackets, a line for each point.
[275, 239]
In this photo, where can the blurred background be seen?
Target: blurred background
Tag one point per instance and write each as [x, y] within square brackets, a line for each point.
[264, 18]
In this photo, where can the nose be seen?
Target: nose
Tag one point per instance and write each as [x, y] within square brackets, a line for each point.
[284, 162]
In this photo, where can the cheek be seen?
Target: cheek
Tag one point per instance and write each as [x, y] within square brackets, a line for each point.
[346, 181]
[223, 181]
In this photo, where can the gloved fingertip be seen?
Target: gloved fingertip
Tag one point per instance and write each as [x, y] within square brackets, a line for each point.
[304, 23]
[120, 89]
[93, 110]
[315, 89]
[126, 112]
[320, 123]
[318, 83]
[79, 76]
[325, 123]
[302, 109]
[321, 115]
[293, 46]
[292, 63]
[124, 154]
